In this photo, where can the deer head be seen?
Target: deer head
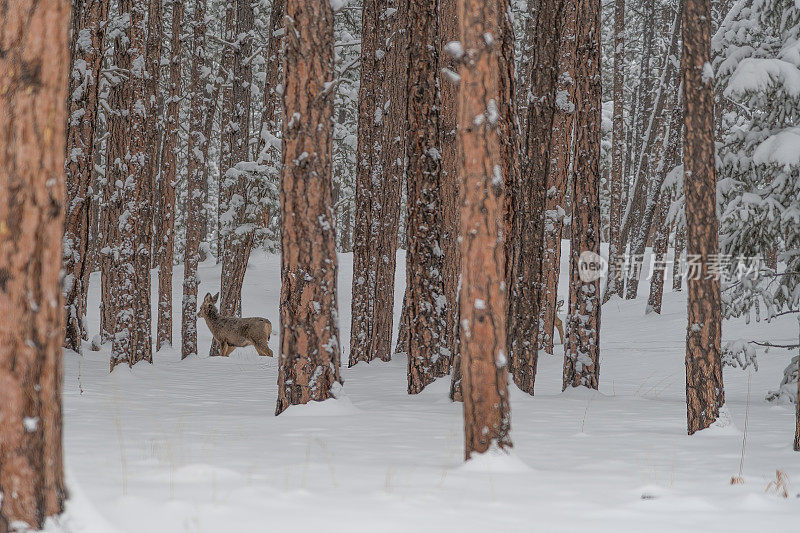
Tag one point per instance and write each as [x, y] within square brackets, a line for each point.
[209, 306]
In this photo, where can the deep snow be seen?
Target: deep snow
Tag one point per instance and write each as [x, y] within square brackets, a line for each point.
[194, 446]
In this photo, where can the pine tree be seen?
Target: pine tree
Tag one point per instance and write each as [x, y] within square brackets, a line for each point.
[524, 260]
[198, 148]
[756, 65]
[374, 229]
[238, 241]
[650, 159]
[309, 354]
[450, 185]
[483, 292]
[582, 346]
[34, 67]
[166, 245]
[428, 355]
[132, 339]
[88, 33]
[613, 287]
[663, 226]
[561, 148]
[704, 389]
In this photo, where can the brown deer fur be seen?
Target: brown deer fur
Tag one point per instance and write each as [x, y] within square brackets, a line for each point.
[232, 332]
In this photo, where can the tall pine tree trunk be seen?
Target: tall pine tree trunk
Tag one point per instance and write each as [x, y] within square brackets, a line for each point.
[797, 403]
[88, 32]
[582, 353]
[270, 119]
[450, 185]
[132, 338]
[558, 177]
[198, 145]
[680, 243]
[166, 248]
[372, 300]
[428, 354]
[639, 218]
[237, 243]
[309, 355]
[524, 261]
[614, 283]
[34, 67]
[663, 227]
[395, 139]
[704, 389]
[483, 293]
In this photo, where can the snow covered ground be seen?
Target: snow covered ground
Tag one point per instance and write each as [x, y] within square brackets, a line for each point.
[194, 446]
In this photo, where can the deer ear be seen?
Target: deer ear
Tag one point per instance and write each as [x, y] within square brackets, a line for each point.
[214, 299]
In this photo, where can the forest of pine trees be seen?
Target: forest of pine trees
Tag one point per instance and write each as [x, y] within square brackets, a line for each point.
[141, 140]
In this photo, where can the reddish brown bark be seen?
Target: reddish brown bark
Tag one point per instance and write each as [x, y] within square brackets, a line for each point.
[271, 117]
[132, 340]
[662, 226]
[582, 353]
[614, 285]
[525, 260]
[198, 145]
[394, 140]
[558, 176]
[236, 251]
[704, 389]
[450, 185]
[166, 248]
[375, 228]
[680, 242]
[428, 354]
[88, 21]
[483, 293]
[309, 355]
[34, 67]
[660, 242]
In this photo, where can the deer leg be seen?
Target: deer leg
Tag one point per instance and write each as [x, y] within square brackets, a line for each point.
[264, 350]
[228, 349]
[560, 328]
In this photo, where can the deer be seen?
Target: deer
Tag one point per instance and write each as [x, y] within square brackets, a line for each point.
[557, 321]
[232, 332]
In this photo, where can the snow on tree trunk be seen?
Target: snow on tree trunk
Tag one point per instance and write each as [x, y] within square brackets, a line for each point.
[34, 67]
[483, 291]
[680, 242]
[704, 388]
[450, 184]
[582, 351]
[613, 285]
[238, 241]
[428, 354]
[523, 267]
[169, 177]
[309, 354]
[797, 400]
[395, 139]
[561, 148]
[198, 146]
[660, 243]
[267, 151]
[373, 250]
[649, 160]
[88, 31]
[671, 147]
[132, 339]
